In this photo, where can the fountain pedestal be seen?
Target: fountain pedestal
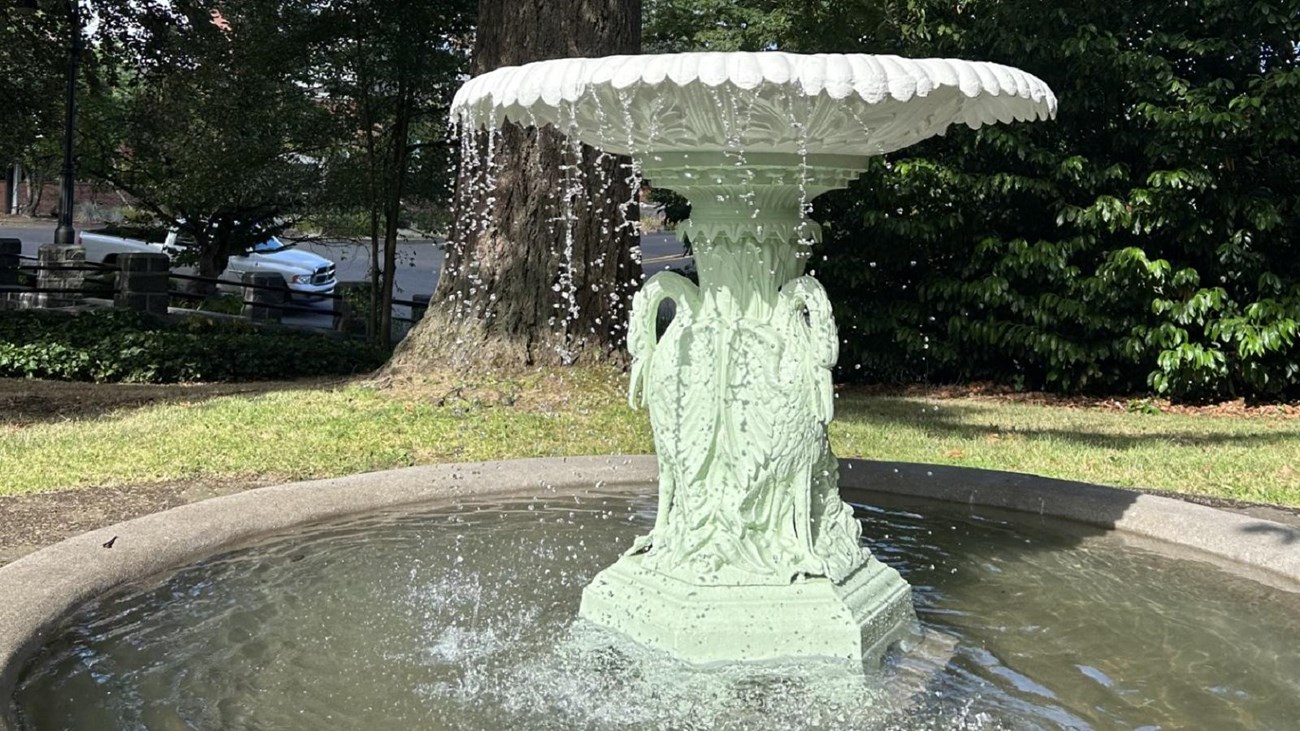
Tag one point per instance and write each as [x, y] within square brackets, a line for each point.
[856, 619]
[753, 555]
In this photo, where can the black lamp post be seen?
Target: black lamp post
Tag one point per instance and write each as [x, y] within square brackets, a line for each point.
[65, 233]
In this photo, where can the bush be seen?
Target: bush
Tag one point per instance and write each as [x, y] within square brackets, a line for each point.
[227, 304]
[1145, 240]
[117, 346]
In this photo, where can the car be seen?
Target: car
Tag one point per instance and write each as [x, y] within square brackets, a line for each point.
[307, 276]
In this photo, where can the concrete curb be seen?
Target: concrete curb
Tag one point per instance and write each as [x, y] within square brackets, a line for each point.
[40, 589]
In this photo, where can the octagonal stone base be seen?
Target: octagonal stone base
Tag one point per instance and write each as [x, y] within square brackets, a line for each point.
[856, 620]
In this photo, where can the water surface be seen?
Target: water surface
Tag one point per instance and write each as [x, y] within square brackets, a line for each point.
[464, 618]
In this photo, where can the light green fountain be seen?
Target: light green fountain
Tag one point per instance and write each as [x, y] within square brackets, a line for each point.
[753, 556]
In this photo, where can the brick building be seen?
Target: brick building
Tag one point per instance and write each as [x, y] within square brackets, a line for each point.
[95, 200]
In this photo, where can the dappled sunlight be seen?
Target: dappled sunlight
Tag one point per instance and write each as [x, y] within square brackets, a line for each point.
[995, 422]
[541, 388]
[29, 401]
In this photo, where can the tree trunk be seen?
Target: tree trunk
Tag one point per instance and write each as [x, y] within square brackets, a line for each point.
[35, 189]
[213, 257]
[373, 197]
[520, 286]
[372, 312]
[401, 158]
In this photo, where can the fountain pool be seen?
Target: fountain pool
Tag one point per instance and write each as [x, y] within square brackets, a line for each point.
[462, 617]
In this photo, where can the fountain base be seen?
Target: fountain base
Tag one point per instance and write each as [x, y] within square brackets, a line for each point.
[856, 620]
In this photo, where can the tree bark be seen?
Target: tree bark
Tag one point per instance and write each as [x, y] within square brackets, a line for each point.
[372, 312]
[393, 212]
[213, 257]
[520, 286]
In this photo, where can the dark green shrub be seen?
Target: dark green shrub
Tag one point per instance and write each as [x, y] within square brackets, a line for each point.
[117, 346]
[228, 304]
[1145, 240]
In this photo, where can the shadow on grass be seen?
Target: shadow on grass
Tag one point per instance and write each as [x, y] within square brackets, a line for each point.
[974, 421]
[25, 402]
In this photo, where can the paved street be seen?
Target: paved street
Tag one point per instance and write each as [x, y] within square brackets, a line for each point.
[419, 262]
[660, 251]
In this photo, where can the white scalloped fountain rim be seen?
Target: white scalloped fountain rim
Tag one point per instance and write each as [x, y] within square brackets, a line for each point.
[873, 79]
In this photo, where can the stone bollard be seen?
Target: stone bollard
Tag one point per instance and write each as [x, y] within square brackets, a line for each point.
[258, 300]
[420, 307]
[142, 283]
[62, 268]
[10, 249]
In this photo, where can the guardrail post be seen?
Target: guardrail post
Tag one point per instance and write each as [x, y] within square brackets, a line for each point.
[53, 258]
[10, 250]
[420, 307]
[142, 283]
[258, 302]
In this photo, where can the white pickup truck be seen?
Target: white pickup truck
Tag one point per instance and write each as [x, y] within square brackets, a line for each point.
[306, 275]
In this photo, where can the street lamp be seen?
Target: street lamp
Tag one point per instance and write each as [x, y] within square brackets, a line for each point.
[65, 233]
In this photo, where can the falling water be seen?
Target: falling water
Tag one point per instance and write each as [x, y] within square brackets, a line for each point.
[800, 122]
[477, 201]
[574, 189]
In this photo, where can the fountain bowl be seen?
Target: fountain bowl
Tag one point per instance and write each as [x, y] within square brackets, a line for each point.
[764, 102]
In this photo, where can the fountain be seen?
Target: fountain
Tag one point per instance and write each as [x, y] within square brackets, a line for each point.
[444, 596]
[753, 556]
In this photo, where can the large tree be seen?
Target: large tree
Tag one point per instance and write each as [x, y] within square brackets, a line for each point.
[388, 68]
[520, 285]
[33, 63]
[204, 121]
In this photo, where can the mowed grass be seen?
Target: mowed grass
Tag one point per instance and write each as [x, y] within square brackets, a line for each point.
[1252, 458]
[322, 431]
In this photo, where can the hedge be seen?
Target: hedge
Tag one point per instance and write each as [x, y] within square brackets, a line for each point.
[128, 347]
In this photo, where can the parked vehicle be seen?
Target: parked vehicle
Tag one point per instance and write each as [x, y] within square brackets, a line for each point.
[306, 275]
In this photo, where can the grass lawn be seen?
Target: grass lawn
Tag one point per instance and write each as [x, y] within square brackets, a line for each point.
[319, 430]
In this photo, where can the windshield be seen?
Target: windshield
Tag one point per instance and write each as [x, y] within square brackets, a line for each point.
[270, 246]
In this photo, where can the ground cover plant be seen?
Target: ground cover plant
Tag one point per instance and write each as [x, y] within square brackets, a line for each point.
[322, 430]
[118, 346]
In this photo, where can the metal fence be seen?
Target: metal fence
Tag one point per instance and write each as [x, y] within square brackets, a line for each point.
[60, 277]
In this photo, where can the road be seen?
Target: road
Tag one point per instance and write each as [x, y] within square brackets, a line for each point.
[419, 262]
